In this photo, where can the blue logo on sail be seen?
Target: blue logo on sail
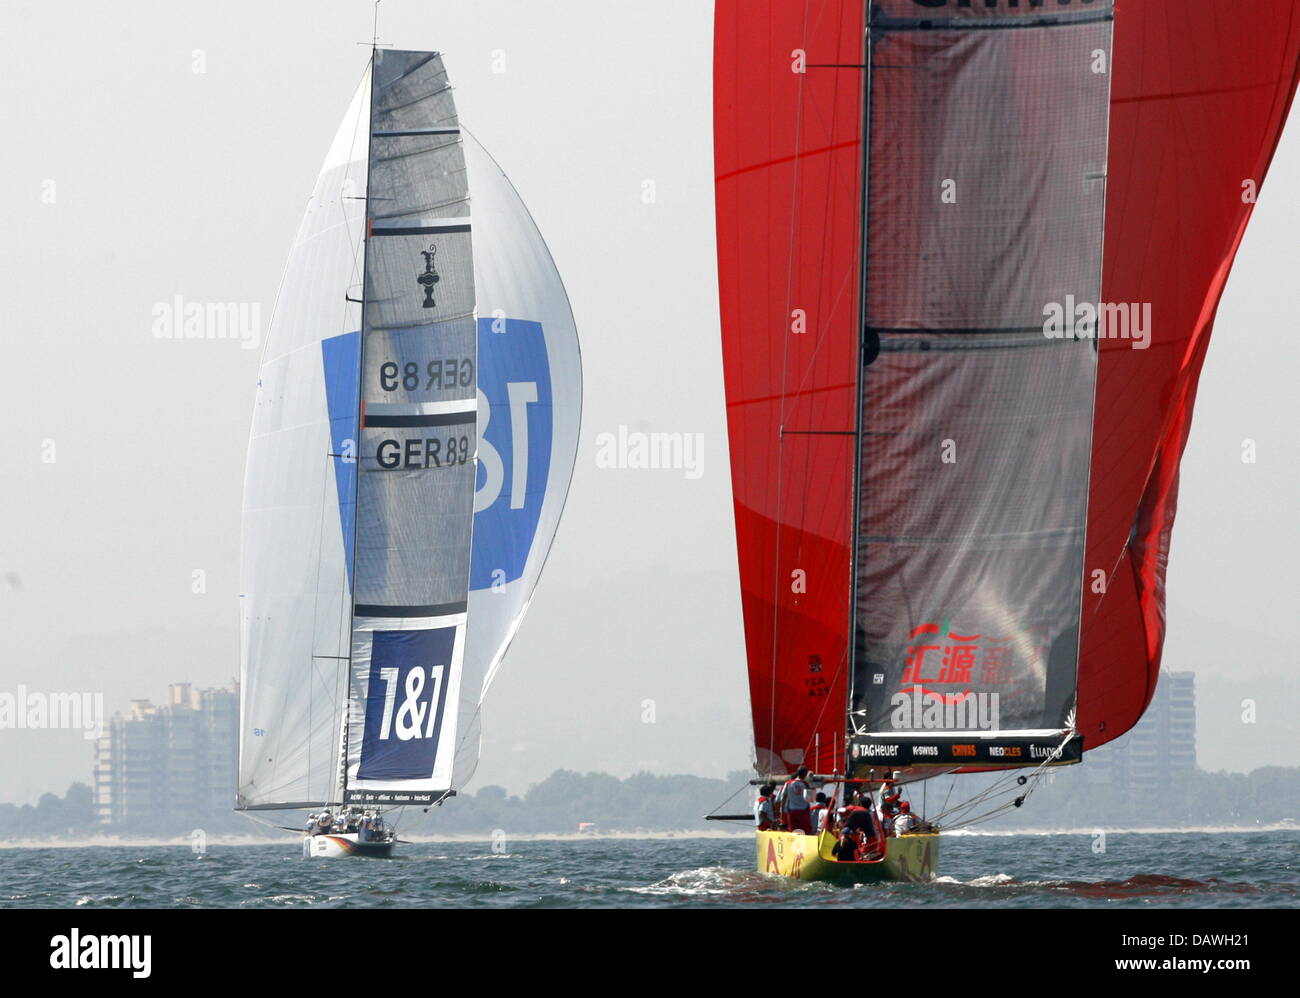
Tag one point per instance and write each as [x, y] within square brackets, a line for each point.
[405, 699]
[514, 456]
[514, 449]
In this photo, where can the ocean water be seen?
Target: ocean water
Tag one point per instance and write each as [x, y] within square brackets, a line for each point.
[1188, 869]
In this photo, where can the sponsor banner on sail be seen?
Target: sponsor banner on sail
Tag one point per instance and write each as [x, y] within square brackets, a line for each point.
[403, 710]
[970, 749]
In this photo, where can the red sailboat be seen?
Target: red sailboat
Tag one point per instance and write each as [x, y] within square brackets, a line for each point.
[969, 257]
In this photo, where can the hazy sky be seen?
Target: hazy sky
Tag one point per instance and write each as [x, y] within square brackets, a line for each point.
[164, 149]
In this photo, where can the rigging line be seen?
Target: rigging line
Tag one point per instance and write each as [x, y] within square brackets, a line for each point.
[347, 172]
[1031, 785]
[1008, 784]
[717, 807]
[1007, 781]
[997, 788]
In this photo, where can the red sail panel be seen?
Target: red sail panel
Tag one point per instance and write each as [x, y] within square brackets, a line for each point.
[787, 149]
[1200, 92]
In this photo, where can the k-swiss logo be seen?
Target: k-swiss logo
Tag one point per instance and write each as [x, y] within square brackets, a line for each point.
[430, 276]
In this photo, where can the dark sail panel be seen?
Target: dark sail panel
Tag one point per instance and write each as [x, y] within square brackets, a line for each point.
[985, 202]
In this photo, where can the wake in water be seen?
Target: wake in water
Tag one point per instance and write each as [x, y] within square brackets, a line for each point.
[734, 884]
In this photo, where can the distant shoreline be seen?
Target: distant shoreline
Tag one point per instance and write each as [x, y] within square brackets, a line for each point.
[234, 841]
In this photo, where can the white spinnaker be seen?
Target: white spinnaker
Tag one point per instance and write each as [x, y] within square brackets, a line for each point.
[517, 281]
[294, 593]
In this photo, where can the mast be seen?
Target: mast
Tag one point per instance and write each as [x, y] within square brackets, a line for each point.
[859, 379]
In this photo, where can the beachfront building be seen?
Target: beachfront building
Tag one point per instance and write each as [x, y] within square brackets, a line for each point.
[174, 763]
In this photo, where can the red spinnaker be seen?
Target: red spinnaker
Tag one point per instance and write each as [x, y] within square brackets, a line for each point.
[788, 159]
[1199, 94]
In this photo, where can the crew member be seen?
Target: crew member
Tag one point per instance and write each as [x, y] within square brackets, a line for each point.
[818, 812]
[764, 817]
[846, 848]
[794, 802]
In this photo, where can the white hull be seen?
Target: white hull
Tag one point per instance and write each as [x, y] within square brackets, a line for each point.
[336, 846]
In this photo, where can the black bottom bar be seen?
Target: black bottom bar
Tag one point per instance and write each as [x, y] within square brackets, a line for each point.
[429, 610]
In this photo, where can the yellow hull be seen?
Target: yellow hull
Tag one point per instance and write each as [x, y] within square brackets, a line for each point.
[809, 857]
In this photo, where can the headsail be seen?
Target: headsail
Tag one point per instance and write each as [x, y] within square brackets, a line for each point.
[298, 519]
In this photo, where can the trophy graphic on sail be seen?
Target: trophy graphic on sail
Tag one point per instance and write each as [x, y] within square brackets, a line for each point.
[953, 511]
[410, 455]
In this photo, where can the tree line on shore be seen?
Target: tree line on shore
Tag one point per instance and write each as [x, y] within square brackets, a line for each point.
[566, 800]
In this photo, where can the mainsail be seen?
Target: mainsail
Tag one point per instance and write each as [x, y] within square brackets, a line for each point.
[953, 478]
[414, 435]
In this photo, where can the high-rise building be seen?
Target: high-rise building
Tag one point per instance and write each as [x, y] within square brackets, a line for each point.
[1160, 748]
[173, 763]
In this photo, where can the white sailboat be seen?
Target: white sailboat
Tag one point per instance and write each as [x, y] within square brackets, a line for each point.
[413, 439]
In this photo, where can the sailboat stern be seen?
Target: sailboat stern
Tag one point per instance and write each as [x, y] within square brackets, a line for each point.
[910, 858]
[343, 846]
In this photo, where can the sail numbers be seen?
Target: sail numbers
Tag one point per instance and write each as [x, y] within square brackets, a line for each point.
[448, 372]
[419, 453]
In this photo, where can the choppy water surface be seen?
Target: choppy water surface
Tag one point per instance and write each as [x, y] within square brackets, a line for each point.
[1192, 869]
